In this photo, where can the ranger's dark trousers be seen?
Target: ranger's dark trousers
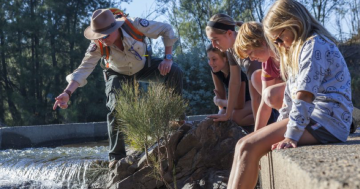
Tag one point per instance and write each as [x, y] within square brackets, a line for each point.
[173, 79]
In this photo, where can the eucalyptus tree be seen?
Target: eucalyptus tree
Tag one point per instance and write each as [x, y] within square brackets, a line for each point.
[323, 9]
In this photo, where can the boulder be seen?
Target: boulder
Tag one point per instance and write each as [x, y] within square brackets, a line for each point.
[203, 154]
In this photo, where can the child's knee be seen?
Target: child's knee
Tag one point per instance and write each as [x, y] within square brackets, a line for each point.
[243, 145]
[256, 76]
[268, 96]
[271, 97]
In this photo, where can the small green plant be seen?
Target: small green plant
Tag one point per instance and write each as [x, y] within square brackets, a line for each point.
[145, 118]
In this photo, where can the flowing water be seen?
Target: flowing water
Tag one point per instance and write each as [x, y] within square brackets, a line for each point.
[53, 168]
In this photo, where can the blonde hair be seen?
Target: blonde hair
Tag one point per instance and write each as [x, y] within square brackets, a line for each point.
[224, 19]
[293, 16]
[250, 36]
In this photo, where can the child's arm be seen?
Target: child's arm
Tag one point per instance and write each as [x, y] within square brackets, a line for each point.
[220, 92]
[234, 88]
[264, 111]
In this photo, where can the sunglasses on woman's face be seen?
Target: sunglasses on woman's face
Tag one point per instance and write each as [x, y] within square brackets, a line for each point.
[278, 40]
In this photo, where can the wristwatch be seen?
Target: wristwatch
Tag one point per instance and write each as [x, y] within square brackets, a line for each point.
[168, 56]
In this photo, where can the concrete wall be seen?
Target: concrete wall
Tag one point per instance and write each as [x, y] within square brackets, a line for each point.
[331, 166]
[55, 135]
[51, 135]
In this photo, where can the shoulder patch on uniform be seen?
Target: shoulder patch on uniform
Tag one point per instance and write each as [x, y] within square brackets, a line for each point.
[144, 22]
[92, 47]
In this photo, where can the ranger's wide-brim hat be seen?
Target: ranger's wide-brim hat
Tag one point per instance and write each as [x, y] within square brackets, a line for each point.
[102, 24]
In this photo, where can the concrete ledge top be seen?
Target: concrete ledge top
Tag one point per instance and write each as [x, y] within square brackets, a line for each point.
[330, 166]
[52, 125]
[48, 135]
[317, 166]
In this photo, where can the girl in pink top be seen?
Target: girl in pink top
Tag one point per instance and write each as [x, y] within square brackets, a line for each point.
[250, 43]
[270, 70]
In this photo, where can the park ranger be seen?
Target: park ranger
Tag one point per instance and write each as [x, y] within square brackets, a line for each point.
[126, 59]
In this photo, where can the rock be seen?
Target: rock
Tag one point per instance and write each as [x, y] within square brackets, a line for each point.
[124, 168]
[202, 154]
[210, 148]
[140, 180]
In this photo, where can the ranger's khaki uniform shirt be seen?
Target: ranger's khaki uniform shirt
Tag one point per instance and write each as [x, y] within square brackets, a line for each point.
[124, 62]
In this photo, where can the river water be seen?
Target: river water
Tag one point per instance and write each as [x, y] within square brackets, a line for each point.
[53, 168]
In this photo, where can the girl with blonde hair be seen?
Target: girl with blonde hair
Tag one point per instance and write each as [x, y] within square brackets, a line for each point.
[317, 105]
[251, 43]
[220, 72]
[221, 32]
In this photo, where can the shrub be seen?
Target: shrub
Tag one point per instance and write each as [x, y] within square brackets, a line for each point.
[145, 116]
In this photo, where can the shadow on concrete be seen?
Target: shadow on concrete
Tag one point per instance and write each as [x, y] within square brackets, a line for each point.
[69, 142]
[349, 142]
[11, 140]
[15, 141]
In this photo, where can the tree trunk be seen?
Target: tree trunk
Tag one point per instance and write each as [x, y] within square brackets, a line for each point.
[32, 86]
[8, 86]
[169, 152]
[56, 69]
[177, 26]
[71, 32]
[147, 154]
[2, 109]
[38, 114]
[161, 169]
[20, 59]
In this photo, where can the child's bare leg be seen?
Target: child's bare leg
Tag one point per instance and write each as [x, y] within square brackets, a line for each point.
[250, 149]
[274, 95]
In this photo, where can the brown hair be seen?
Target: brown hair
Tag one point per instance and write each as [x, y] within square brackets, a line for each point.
[210, 48]
[224, 19]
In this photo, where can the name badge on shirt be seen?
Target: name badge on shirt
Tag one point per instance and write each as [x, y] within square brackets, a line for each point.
[144, 22]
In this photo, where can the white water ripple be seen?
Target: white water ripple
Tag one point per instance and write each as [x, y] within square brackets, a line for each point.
[61, 167]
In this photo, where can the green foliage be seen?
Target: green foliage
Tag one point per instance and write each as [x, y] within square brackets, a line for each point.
[198, 84]
[351, 51]
[132, 112]
[355, 83]
[42, 42]
[145, 115]
[190, 17]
